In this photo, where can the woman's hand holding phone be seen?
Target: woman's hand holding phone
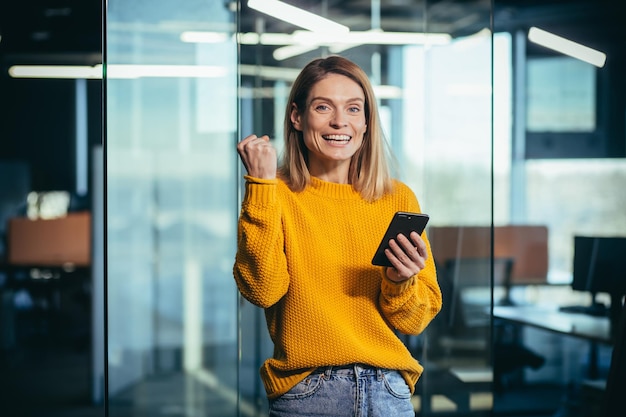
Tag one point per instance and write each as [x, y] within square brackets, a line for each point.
[407, 256]
[402, 249]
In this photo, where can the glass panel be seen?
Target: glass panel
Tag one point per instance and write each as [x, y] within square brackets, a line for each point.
[171, 208]
[455, 180]
[567, 116]
[438, 120]
[172, 180]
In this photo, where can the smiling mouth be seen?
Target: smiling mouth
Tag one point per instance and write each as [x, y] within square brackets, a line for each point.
[337, 138]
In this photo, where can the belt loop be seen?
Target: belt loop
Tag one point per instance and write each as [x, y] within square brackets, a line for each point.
[379, 374]
[327, 372]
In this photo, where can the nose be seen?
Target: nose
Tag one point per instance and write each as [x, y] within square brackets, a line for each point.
[338, 120]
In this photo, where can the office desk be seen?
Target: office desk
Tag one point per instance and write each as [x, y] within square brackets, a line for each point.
[53, 303]
[594, 329]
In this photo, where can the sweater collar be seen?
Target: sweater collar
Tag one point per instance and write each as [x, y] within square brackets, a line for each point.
[333, 190]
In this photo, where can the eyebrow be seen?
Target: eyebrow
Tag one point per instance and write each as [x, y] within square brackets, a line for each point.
[350, 100]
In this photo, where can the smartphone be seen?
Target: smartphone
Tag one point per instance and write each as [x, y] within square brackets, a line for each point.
[401, 222]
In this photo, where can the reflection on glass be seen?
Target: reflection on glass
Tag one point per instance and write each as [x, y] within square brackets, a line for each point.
[438, 120]
[175, 344]
[171, 210]
[561, 95]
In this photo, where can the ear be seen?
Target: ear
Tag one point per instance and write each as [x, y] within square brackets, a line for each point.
[295, 117]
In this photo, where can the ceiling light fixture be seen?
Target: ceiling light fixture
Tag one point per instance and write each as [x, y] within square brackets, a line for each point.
[297, 16]
[117, 71]
[204, 37]
[566, 46]
[304, 41]
[56, 71]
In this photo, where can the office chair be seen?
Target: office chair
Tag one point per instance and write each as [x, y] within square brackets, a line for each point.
[465, 325]
[465, 321]
[458, 344]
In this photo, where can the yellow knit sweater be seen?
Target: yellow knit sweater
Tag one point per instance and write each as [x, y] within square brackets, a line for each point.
[306, 259]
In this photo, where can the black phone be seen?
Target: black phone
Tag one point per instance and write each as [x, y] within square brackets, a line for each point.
[401, 222]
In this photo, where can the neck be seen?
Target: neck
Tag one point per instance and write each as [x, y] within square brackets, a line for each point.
[337, 173]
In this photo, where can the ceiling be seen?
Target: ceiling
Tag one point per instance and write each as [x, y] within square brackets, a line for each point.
[73, 27]
[600, 24]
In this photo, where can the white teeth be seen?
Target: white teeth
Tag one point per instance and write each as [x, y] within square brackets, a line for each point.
[337, 137]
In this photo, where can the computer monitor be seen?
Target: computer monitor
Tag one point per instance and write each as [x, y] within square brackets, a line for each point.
[600, 265]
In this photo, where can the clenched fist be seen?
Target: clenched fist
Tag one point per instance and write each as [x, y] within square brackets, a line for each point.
[258, 156]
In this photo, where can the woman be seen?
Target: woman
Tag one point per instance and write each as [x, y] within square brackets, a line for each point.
[307, 232]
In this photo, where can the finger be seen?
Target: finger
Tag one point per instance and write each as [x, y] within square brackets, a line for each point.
[420, 245]
[398, 272]
[252, 144]
[243, 149]
[411, 250]
[409, 255]
[397, 264]
[406, 244]
[402, 252]
[251, 139]
[246, 140]
[258, 156]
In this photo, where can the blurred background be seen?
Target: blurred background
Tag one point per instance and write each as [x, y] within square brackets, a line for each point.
[120, 190]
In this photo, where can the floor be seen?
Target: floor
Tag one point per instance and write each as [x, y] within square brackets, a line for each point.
[46, 383]
[50, 377]
[55, 383]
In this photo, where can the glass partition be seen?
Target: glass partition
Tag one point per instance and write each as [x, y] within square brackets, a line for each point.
[438, 120]
[171, 117]
[562, 172]
[179, 96]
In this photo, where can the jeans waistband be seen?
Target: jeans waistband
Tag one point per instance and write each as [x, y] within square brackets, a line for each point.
[351, 369]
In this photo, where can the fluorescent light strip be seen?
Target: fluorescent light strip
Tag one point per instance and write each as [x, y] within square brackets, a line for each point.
[173, 71]
[56, 71]
[305, 37]
[297, 16]
[204, 37]
[309, 41]
[137, 71]
[566, 46]
[270, 73]
[117, 71]
[247, 38]
[376, 37]
[122, 71]
[280, 54]
[302, 41]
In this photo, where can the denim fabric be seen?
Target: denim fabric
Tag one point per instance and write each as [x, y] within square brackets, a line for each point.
[347, 391]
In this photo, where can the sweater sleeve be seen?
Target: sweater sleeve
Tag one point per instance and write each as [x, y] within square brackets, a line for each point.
[260, 268]
[410, 306]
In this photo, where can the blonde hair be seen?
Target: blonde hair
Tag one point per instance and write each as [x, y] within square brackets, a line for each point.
[369, 173]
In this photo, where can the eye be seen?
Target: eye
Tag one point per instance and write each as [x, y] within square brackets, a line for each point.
[354, 109]
[322, 107]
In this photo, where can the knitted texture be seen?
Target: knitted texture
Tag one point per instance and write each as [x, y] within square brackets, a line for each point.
[306, 259]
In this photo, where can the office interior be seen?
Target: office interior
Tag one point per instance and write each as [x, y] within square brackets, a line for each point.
[120, 191]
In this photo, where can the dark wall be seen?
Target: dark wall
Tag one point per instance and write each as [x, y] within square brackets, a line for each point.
[37, 116]
[38, 126]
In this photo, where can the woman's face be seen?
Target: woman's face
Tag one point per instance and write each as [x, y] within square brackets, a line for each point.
[332, 123]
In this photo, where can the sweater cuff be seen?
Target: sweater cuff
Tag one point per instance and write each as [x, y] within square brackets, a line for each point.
[393, 288]
[260, 191]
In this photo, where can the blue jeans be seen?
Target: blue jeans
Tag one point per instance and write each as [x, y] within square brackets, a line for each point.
[346, 391]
